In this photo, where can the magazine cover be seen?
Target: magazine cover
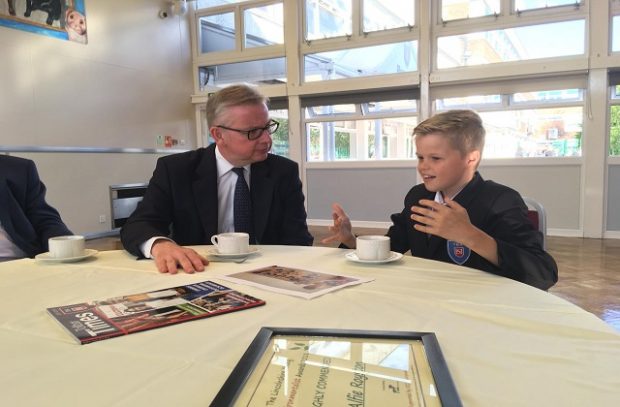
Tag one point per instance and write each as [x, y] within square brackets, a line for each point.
[89, 322]
[287, 280]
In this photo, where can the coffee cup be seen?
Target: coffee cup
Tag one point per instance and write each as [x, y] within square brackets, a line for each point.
[372, 247]
[231, 243]
[65, 247]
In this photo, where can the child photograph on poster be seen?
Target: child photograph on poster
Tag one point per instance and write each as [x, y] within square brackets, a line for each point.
[64, 19]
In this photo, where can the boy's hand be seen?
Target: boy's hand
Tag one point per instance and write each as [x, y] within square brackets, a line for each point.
[449, 221]
[341, 230]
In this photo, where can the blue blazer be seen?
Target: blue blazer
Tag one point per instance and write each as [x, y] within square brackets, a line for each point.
[25, 215]
[181, 202]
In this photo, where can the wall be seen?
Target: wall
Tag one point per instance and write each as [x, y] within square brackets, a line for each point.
[128, 86]
[370, 196]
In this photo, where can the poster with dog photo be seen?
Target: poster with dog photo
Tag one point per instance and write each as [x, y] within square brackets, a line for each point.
[64, 19]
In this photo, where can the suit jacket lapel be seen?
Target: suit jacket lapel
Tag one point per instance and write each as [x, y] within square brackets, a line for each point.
[204, 186]
[261, 188]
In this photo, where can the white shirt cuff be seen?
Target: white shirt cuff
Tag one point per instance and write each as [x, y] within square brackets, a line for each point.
[146, 247]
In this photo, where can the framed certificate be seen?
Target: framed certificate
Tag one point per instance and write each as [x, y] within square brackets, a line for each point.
[321, 367]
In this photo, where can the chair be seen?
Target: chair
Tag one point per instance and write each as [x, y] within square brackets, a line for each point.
[537, 214]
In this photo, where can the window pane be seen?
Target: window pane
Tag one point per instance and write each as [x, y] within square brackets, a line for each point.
[263, 26]
[460, 9]
[358, 140]
[217, 32]
[522, 5]
[392, 106]
[387, 14]
[468, 102]
[548, 132]
[330, 110]
[280, 145]
[561, 95]
[350, 63]
[213, 3]
[514, 44]
[615, 35]
[328, 18]
[614, 130]
[260, 72]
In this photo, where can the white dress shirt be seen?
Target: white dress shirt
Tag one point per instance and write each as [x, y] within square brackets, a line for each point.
[8, 249]
[226, 181]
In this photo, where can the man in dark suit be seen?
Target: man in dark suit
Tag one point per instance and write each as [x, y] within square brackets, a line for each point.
[455, 216]
[27, 221]
[190, 196]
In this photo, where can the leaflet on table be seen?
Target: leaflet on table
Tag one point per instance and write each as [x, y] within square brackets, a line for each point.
[89, 322]
[301, 283]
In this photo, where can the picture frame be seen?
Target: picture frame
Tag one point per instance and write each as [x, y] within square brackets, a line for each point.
[304, 366]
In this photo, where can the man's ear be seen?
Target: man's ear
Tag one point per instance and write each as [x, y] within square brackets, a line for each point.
[215, 133]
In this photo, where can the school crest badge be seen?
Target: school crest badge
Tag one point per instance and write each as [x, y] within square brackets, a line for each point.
[458, 253]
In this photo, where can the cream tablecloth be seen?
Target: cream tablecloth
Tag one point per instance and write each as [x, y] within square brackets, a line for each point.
[506, 344]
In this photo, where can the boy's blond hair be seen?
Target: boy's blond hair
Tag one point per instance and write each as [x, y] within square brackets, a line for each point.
[234, 95]
[462, 128]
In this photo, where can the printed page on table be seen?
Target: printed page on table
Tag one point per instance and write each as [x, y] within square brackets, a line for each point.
[292, 281]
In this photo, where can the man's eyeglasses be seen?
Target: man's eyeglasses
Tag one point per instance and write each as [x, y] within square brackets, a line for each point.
[253, 134]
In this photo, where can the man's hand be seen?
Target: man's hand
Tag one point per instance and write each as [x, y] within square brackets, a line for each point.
[169, 257]
[341, 229]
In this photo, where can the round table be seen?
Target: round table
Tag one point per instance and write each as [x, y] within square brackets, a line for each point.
[505, 343]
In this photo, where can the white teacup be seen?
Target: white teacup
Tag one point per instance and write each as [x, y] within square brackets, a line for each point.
[65, 247]
[373, 247]
[231, 243]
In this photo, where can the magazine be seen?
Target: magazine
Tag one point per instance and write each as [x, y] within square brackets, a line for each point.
[301, 283]
[97, 320]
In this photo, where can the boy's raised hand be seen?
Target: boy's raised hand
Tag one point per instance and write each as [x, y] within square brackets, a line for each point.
[449, 221]
[341, 230]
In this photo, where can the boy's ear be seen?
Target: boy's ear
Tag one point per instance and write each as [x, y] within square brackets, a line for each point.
[473, 158]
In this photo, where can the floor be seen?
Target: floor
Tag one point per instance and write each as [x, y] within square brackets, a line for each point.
[589, 270]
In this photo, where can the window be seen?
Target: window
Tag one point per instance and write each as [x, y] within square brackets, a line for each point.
[354, 62]
[327, 19]
[614, 115]
[615, 34]
[523, 5]
[512, 44]
[280, 138]
[379, 15]
[264, 71]
[240, 42]
[462, 9]
[527, 124]
[379, 130]
[263, 25]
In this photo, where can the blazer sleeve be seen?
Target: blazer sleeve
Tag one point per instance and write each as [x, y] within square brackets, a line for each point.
[43, 217]
[294, 230]
[519, 245]
[153, 215]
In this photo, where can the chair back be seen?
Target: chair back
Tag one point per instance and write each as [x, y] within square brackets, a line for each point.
[537, 214]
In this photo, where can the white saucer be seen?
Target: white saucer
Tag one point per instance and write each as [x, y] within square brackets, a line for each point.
[48, 258]
[393, 257]
[214, 252]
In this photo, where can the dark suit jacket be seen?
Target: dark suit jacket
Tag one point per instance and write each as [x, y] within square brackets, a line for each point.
[501, 213]
[181, 202]
[25, 215]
